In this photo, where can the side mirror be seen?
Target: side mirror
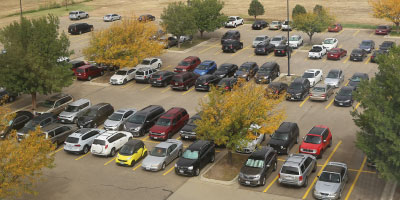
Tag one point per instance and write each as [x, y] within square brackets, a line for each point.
[147, 121]
[268, 165]
[317, 176]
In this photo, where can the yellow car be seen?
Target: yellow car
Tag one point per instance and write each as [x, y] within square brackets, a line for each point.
[131, 152]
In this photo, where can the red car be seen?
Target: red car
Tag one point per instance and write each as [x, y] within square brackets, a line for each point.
[383, 30]
[316, 141]
[169, 123]
[188, 64]
[183, 81]
[336, 54]
[87, 72]
[335, 28]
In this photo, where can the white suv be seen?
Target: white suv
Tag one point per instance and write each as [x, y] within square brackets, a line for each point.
[108, 143]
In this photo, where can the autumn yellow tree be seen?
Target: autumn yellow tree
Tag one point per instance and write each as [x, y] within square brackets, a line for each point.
[124, 43]
[227, 116]
[22, 162]
[387, 9]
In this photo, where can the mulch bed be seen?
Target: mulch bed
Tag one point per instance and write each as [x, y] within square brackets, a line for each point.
[223, 171]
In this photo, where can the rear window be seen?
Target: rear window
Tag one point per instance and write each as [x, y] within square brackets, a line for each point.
[381, 27]
[80, 70]
[140, 73]
[72, 140]
[156, 76]
[99, 142]
[177, 78]
[290, 170]
[73, 13]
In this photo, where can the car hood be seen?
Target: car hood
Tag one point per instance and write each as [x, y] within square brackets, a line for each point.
[220, 73]
[111, 123]
[25, 130]
[85, 119]
[326, 187]
[251, 170]
[152, 160]
[262, 74]
[41, 109]
[309, 145]
[67, 114]
[118, 77]
[200, 71]
[189, 128]
[331, 80]
[159, 129]
[353, 83]
[342, 98]
[183, 162]
[129, 125]
[277, 142]
[240, 73]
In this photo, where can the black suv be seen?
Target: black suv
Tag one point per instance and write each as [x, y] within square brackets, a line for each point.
[20, 119]
[298, 89]
[230, 35]
[95, 115]
[232, 46]
[376, 53]
[161, 78]
[79, 28]
[195, 157]
[285, 137]
[259, 24]
[267, 72]
[258, 166]
[10, 96]
[187, 132]
[247, 70]
[282, 50]
[387, 45]
[204, 82]
[264, 48]
[42, 121]
[226, 70]
[227, 84]
[276, 88]
[141, 122]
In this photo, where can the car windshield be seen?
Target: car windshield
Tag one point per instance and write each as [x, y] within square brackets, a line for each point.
[121, 72]
[333, 74]
[295, 86]
[274, 23]
[99, 142]
[329, 41]
[329, 177]
[355, 79]
[334, 51]
[308, 75]
[184, 63]
[108, 15]
[294, 38]
[259, 38]
[73, 13]
[224, 68]
[285, 22]
[158, 152]
[202, 66]
[345, 92]
[357, 51]
[276, 39]
[244, 68]
[137, 119]
[365, 43]
[313, 139]
[192, 120]
[189, 154]
[145, 62]
[127, 150]
[115, 117]
[333, 26]
[264, 70]
[72, 108]
[47, 104]
[290, 170]
[318, 89]
[386, 44]
[31, 124]
[155, 76]
[163, 122]
[254, 163]
[139, 73]
[280, 136]
[72, 140]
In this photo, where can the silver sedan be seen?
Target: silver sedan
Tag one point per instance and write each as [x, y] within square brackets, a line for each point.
[335, 77]
[321, 92]
[163, 154]
[331, 182]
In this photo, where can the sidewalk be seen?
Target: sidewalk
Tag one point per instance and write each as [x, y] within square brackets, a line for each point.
[195, 189]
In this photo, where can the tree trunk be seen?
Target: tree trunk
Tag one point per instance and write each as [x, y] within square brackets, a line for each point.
[201, 33]
[397, 27]
[179, 42]
[33, 94]
[230, 159]
[255, 17]
[310, 35]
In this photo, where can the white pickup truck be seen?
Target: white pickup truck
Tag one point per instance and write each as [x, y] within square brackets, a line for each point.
[317, 51]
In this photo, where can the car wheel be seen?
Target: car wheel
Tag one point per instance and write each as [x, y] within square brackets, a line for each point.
[197, 172]
[11, 99]
[85, 149]
[234, 25]
[124, 81]
[320, 155]
[163, 166]
[330, 143]
[132, 163]
[315, 168]
[241, 46]
[186, 88]
[145, 154]
[287, 150]
[89, 78]
[234, 50]
[247, 78]
[269, 80]
[212, 159]
[87, 16]
[241, 23]
[74, 120]
[101, 73]
[79, 17]
[305, 182]
[159, 66]
[80, 32]
[112, 153]
[263, 181]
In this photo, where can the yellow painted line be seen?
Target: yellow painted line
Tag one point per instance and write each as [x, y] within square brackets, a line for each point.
[306, 58]
[363, 171]
[301, 105]
[217, 151]
[145, 87]
[252, 55]
[166, 89]
[355, 33]
[206, 49]
[294, 52]
[169, 66]
[144, 139]
[324, 60]
[188, 91]
[54, 152]
[128, 84]
[367, 61]
[270, 55]
[281, 160]
[82, 156]
[178, 138]
[219, 52]
[137, 166]
[273, 181]
[340, 46]
[372, 33]
[241, 50]
[355, 180]
[356, 106]
[347, 59]
[168, 171]
[151, 141]
[320, 171]
[110, 161]
[340, 33]
[330, 103]
[347, 83]
[205, 96]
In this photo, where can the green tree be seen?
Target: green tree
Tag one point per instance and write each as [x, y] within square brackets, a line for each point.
[256, 9]
[387, 9]
[207, 14]
[298, 9]
[318, 9]
[379, 120]
[30, 64]
[179, 20]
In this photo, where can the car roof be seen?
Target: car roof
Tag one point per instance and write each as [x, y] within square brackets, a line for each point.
[347, 88]
[268, 64]
[43, 116]
[207, 62]
[286, 126]
[134, 142]
[198, 144]
[316, 130]
[206, 76]
[150, 58]
[123, 110]
[190, 58]
[172, 112]
[53, 126]
[334, 168]
[148, 109]
[99, 105]
[321, 85]
[260, 153]
[330, 38]
[295, 159]
[164, 144]
[248, 63]
[58, 96]
[312, 70]
[84, 66]
[295, 36]
[79, 102]
[334, 70]
[261, 36]
[232, 31]
[142, 69]
[226, 64]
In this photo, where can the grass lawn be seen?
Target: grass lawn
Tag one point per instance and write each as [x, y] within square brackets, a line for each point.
[187, 45]
[361, 26]
[223, 171]
[394, 33]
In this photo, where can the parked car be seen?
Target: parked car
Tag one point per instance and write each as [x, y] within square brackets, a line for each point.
[163, 154]
[313, 75]
[42, 121]
[54, 104]
[387, 45]
[169, 123]
[122, 76]
[81, 140]
[317, 51]
[108, 143]
[321, 92]
[282, 50]
[171, 42]
[376, 53]
[7, 96]
[264, 48]
[20, 119]
[345, 96]
[258, 167]
[335, 28]
[131, 153]
[87, 72]
[57, 133]
[286, 25]
[259, 24]
[188, 64]
[296, 170]
[226, 70]
[330, 43]
[298, 89]
[234, 21]
[247, 70]
[331, 182]
[73, 111]
[336, 54]
[146, 17]
[277, 88]
[144, 74]
[295, 41]
[278, 40]
[367, 45]
[152, 63]
[111, 17]
[227, 83]
[75, 64]
[261, 39]
[230, 35]
[195, 157]
[284, 138]
[358, 55]
[116, 121]
[383, 30]
[76, 15]
[334, 78]
[95, 115]
[275, 25]
[79, 28]
[206, 67]
[317, 140]
[204, 82]
[232, 46]
[188, 131]
[161, 78]
[185, 38]
[267, 72]
[357, 78]
[183, 81]
[141, 122]
[251, 144]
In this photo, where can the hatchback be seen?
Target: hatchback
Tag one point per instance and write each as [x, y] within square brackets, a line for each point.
[285, 137]
[169, 123]
[131, 153]
[87, 72]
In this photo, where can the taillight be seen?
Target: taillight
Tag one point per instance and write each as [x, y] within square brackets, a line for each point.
[159, 79]
[279, 175]
[106, 146]
[77, 145]
[323, 95]
[231, 46]
[276, 91]
[226, 88]
[300, 178]
[310, 95]
[283, 51]
[145, 76]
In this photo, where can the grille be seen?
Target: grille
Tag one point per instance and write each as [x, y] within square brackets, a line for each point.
[308, 150]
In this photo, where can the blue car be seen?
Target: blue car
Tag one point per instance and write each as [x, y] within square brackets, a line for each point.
[206, 67]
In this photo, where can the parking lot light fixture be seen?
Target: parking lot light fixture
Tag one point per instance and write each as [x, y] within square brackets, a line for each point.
[288, 40]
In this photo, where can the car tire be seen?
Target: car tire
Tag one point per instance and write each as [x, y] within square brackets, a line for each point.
[163, 166]
[275, 166]
[74, 121]
[80, 32]
[234, 50]
[87, 16]
[186, 88]
[330, 143]
[113, 152]
[179, 153]
[145, 154]
[89, 78]
[305, 184]
[132, 163]
[263, 181]
[85, 149]
[159, 66]
[212, 159]
[287, 150]
[247, 78]
[241, 46]
[124, 82]
[197, 172]
[101, 73]
[11, 99]
[269, 80]
[79, 17]
[234, 25]
[320, 155]
[242, 23]
[315, 168]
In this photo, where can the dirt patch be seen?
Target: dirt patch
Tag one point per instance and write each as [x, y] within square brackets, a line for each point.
[223, 171]
[286, 79]
[186, 45]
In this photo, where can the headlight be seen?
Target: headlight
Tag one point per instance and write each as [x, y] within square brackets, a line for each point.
[257, 177]
[240, 174]
[176, 165]
[163, 133]
[184, 70]
[316, 192]
[298, 94]
[190, 168]
[137, 128]
[155, 165]
[281, 147]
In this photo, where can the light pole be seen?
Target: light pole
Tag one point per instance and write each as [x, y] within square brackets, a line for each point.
[288, 47]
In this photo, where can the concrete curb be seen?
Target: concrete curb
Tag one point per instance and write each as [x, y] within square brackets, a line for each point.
[391, 37]
[97, 84]
[191, 48]
[389, 190]
[202, 178]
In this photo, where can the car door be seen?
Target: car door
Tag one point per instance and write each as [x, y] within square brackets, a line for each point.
[50, 136]
[203, 157]
[20, 121]
[269, 163]
[174, 152]
[131, 74]
[121, 139]
[91, 136]
[325, 141]
[308, 166]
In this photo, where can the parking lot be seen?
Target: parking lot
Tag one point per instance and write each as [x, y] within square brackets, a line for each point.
[93, 177]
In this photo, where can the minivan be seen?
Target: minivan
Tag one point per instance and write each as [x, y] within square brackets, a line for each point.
[140, 123]
[72, 111]
[169, 123]
[87, 72]
[183, 81]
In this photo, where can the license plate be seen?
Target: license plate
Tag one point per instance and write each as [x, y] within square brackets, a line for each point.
[79, 74]
[147, 168]
[279, 51]
[176, 83]
[292, 98]
[186, 136]
[154, 81]
[181, 171]
[62, 120]
[247, 182]
[341, 104]
[155, 138]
